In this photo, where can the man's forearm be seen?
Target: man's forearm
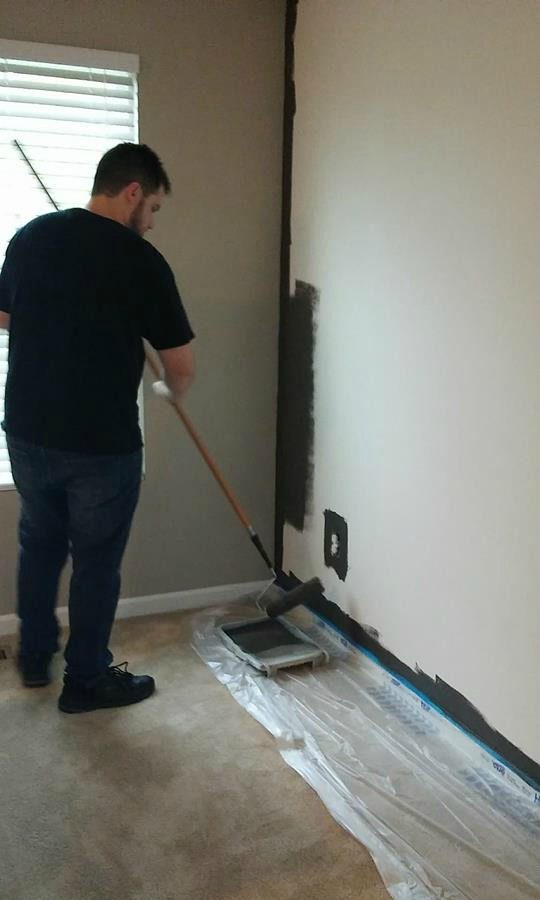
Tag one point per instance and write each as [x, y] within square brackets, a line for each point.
[4, 320]
[179, 385]
[173, 388]
[178, 370]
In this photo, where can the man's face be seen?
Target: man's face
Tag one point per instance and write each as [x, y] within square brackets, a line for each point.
[142, 217]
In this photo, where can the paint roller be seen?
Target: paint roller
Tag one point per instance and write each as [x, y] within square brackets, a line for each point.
[287, 600]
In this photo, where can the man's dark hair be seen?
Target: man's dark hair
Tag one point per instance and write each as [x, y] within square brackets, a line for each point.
[126, 163]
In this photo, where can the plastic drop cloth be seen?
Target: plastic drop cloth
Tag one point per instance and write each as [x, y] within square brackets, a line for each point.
[437, 823]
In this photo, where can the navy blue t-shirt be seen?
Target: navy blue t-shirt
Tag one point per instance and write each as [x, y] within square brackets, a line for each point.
[82, 291]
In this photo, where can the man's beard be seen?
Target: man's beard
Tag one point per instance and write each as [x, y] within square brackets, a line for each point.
[135, 220]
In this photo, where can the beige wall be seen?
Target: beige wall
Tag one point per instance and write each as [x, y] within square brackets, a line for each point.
[416, 213]
[210, 95]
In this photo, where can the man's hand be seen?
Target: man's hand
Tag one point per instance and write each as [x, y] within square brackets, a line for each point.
[161, 390]
[4, 320]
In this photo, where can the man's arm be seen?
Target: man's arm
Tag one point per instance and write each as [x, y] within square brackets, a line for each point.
[4, 320]
[166, 327]
[179, 369]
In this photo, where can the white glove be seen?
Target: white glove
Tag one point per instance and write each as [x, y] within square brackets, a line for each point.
[161, 390]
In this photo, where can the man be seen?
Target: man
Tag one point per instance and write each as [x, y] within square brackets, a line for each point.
[79, 290]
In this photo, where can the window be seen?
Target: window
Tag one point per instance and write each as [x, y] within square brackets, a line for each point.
[61, 108]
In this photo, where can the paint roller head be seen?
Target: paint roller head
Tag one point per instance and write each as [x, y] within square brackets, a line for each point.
[301, 594]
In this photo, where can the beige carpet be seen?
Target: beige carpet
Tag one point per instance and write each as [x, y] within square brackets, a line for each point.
[182, 796]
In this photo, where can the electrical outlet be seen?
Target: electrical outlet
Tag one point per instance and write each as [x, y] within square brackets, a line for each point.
[336, 539]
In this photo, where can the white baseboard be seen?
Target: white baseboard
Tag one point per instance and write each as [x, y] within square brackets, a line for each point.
[159, 603]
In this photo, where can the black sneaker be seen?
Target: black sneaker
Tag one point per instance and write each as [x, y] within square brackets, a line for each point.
[35, 670]
[116, 687]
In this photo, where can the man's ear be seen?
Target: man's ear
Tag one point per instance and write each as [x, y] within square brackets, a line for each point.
[133, 192]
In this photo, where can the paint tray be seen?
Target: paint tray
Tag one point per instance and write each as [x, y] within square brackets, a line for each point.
[271, 644]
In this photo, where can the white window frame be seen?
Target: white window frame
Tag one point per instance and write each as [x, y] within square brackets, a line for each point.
[69, 56]
[77, 56]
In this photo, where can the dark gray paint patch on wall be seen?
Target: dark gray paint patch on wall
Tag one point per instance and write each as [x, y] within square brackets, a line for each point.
[289, 108]
[295, 471]
[336, 543]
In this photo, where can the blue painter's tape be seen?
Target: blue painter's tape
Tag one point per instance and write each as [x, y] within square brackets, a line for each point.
[398, 680]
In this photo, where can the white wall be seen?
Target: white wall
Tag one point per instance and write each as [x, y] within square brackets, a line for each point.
[416, 212]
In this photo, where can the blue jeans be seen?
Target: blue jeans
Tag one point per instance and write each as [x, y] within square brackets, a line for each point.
[78, 504]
